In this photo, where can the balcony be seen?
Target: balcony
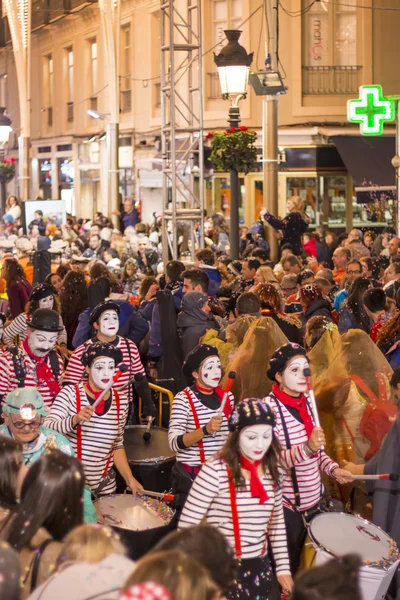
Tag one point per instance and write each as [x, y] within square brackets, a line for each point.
[50, 116]
[70, 112]
[214, 88]
[40, 14]
[126, 101]
[330, 81]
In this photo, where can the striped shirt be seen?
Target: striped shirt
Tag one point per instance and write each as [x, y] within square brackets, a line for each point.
[307, 468]
[75, 371]
[182, 421]
[100, 436]
[9, 380]
[19, 325]
[259, 524]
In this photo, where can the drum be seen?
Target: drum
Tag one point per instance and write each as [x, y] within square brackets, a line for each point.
[151, 462]
[140, 522]
[337, 534]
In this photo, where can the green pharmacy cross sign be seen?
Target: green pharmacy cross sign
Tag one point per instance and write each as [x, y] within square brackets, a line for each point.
[372, 110]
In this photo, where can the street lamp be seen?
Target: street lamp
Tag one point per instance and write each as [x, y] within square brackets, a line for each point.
[233, 65]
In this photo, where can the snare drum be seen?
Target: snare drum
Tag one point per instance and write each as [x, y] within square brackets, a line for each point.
[140, 522]
[151, 462]
[337, 534]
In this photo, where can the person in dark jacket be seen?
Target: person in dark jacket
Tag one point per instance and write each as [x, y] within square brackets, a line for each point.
[353, 315]
[205, 260]
[17, 286]
[271, 307]
[313, 302]
[292, 226]
[194, 320]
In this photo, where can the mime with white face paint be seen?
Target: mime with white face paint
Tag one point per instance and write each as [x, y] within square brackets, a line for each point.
[96, 434]
[196, 430]
[43, 295]
[301, 443]
[35, 363]
[238, 491]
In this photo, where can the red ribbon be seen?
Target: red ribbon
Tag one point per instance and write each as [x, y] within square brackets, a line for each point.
[44, 372]
[257, 488]
[99, 410]
[299, 403]
[220, 393]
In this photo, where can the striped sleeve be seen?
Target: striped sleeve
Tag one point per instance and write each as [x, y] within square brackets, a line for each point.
[5, 367]
[17, 326]
[178, 421]
[204, 490]
[75, 369]
[62, 335]
[327, 464]
[136, 363]
[277, 535]
[62, 412]
[119, 442]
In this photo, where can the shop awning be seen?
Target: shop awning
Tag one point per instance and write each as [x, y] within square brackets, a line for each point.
[369, 162]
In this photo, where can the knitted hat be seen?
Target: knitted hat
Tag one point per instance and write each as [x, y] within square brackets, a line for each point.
[42, 290]
[281, 357]
[196, 357]
[101, 308]
[249, 412]
[45, 319]
[26, 402]
[97, 349]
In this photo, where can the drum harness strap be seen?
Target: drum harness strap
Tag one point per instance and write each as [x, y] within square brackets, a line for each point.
[79, 429]
[197, 425]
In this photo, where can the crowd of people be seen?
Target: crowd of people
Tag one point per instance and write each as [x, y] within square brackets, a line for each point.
[90, 316]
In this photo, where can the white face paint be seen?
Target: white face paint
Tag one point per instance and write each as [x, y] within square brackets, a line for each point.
[41, 342]
[102, 371]
[109, 323]
[255, 441]
[210, 372]
[47, 302]
[293, 377]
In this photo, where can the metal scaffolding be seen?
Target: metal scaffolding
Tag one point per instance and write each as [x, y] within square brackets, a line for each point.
[182, 126]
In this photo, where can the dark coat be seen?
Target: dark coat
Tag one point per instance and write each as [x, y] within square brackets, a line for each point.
[320, 307]
[193, 323]
[18, 296]
[292, 226]
[289, 325]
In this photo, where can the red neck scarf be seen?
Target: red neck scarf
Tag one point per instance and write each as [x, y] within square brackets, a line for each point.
[44, 372]
[100, 408]
[299, 403]
[220, 393]
[257, 489]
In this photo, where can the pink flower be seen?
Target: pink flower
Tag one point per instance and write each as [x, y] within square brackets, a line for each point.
[12, 160]
[5, 161]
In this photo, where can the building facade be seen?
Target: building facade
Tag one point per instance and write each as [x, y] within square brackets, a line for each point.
[326, 52]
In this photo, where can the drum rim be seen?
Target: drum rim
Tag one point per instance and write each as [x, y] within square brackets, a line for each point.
[119, 526]
[383, 565]
[156, 459]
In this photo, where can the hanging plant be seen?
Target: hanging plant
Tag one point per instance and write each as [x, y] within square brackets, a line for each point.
[233, 150]
[7, 170]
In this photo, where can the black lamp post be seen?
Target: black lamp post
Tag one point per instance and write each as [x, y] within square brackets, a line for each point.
[233, 65]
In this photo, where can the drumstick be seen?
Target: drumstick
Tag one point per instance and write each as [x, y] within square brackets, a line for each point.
[156, 494]
[311, 395]
[384, 476]
[121, 370]
[231, 379]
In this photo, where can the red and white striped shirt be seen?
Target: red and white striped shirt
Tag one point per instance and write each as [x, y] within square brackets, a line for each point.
[307, 468]
[75, 371]
[9, 380]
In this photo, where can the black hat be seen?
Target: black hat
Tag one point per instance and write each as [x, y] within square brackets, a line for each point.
[251, 411]
[196, 357]
[101, 308]
[42, 290]
[97, 349]
[45, 319]
[281, 357]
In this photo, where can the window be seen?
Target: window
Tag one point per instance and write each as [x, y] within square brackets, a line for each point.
[330, 48]
[3, 90]
[70, 85]
[126, 68]
[225, 14]
[93, 68]
[50, 80]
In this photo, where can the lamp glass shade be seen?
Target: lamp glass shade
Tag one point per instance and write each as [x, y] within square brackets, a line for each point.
[233, 79]
[5, 131]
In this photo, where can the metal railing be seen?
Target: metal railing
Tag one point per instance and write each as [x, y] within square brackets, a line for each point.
[126, 101]
[214, 88]
[161, 392]
[70, 112]
[331, 80]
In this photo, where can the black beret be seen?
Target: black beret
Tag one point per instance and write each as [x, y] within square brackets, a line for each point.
[196, 357]
[97, 349]
[42, 290]
[101, 308]
[281, 357]
[45, 319]
[251, 411]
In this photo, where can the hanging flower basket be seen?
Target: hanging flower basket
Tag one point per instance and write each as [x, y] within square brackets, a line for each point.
[233, 150]
[7, 170]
